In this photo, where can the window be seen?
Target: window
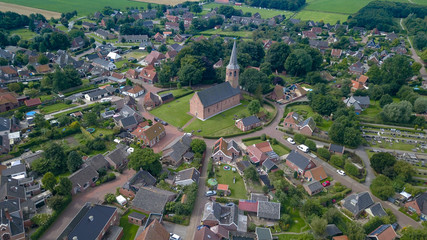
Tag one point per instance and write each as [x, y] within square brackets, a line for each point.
[235, 73]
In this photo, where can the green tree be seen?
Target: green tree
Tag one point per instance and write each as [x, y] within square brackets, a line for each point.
[14, 87]
[109, 198]
[146, 159]
[74, 161]
[64, 187]
[319, 226]
[251, 79]
[299, 138]
[189, 74]
[277, 55]
[298, 63]
[56, 202]
[198, 146]
[404, 169]
[375, 92]
[337, 161]
[382, 187]
[411, 233]
[42, 59]
[355, 231]
[266, 68]
[90, 119]
[49, 181]
[311, 207]
[381, 161]
[310, 144]
[385, 99]
[351, 169]
[420, 105]
[323, 152]
[251, 173]
[254, 107]
[54, 156]
[399, 112]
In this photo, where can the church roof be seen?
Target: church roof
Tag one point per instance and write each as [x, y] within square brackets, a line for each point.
[217, 94]
[233, 59]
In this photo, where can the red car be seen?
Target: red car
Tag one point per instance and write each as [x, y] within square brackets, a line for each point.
[326, 183]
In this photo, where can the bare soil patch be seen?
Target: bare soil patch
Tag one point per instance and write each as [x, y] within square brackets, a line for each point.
[5, 7]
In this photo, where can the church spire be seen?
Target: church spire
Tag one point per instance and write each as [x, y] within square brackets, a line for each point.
[233, 59]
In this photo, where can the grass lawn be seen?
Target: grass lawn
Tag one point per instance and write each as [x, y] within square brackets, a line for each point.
[396, 146]
[336, 6]
[98, 39]
[62, 27]
[421, 2]
[136, 54]
[298, 225]
[174, 112]
[129, 229]
[227, 33]
[81, 6]
[326, 17]
[238, 190]
[56, 107]
[120, 63]
[45, 98]
[288, 236]
[176, 92]
[102, 131]
[24, 33]
[265, 13]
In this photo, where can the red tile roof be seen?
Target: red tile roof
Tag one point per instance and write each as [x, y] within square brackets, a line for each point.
[33, 102]
[248, 205]
[222, 187]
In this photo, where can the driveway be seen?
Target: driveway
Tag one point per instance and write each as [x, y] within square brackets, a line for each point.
[94, 195]
[180, 230]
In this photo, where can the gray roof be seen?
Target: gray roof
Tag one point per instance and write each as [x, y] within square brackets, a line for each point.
[15, 223]
[98, 162]
[421, 201]
[233, 59]
[4, 124]
[217, 93]
[177, 148]
[314, 186]
[128, 121]
[268, 164]
[263, 233]
[13, 170]
[137, 215]
[233, 144]
[90, 229]
[152, 199]
[189, 173]
[141, 179]
[377, 210]
[258, 197]
[242, 165]
[269, 210]
[309, 122]
[332, 230]
[82, 176]
[298, 159]
[364, 100]
[356, 203]
[248, 121]
[336, 148]
[224, 214]
[97, 93]
[118, 156]
[10, 188]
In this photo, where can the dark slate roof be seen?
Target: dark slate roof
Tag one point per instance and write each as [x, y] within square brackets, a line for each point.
[314, 186]
[4, 124]
[13, 170]
[258, 197]
[364, 100]
[266, 181]
[141, 179]
[82, 176]
[90, 229]
[377, 210]
[217, 93]
[332, 230]
[10, 188]
[263, 233]
[97, 93]
[336, 148]
[128, 121]
[298, 159]
[137, 215]
[118, 155]
[166, 96]
[242, 165]
[356, 203]
[309, 122]
[269, 210]
[268, 164]
[189, 173]
[379, 230]
[177, 148]
[248, 121]
[422, 202]
[98, 162]
[233, 58]
[151, 199]
[233, 144]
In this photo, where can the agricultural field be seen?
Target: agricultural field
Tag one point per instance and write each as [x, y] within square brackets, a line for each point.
[265, 13]
[29, 8]
[321, 16]
[221, 32]
[55, 7]
[167, 2]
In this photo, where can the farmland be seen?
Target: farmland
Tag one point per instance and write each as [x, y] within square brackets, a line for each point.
[28, 10]
[167, 2]
[265, 13]
[318, 16]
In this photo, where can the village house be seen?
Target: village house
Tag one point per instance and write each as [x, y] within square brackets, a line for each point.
[83, 178]
[225, 151]
[107, 65]
[417, 206]
[336, 149]
[299, 163]
[141, 179]
[357, 203]
[358, 102]
[148, 74]
[383, 232]
[104, 34]
[187, 176]
[12, 220]
[313, 188]
[136, 218]
[152, 200]
[287, 94]
[96, 95]
[226, 216]
[336, 53]
[117, 158]
[153, 134]
[77, 43]
[260, 152]
[178, 151]
[135, 91]
[296, 122]
[133, 38]
[154, 231]
[8, 72]
[248, 123]
[315, 174]
[151, 100]
[154, 58]
[8, 101]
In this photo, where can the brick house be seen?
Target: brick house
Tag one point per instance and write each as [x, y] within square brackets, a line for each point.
[151, 100]
[136, 218]
[295, 121]
[313, 188]
[8, 101]
[299, 162]
[336, 149]
[316, 174]
[383, 232]
[141, 179]
[148, 74]
[248, 123]
[417, 206]
[118, 158]
[225, 151]
[153, 134]
[260, 152]
[83, 178]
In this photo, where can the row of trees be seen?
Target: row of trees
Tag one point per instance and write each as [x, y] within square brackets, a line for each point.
[291, 5]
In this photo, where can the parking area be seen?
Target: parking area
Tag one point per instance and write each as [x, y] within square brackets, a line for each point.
[180, 230]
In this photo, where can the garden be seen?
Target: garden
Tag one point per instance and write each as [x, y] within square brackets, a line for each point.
[175, 112]
[129, 229]
[278, 148]
[306, 111]
[55, 107]
[232, 179]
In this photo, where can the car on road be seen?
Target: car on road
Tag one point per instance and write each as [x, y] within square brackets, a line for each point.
[174, 237]
[164, 123]
[341, 172]
[156, 119]
[303, 148]
[326, 183]
[291, 141]
[210, 193]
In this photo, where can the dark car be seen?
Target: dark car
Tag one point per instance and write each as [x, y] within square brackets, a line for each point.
[164, 123]
[156, 119]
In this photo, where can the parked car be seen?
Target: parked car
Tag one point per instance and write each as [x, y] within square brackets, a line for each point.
[291, 141]
[326, 183]
[341, 172]
[210, 193]
[156, 119]
[174, 237]
[303, 148]
[164, 123]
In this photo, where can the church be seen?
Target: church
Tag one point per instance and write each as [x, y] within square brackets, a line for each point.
[219, 98]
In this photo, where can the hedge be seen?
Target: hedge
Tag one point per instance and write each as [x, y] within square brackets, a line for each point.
[55, 214]
[275, 112]
[81, 89]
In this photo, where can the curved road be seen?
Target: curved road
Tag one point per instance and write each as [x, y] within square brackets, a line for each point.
[415, 56]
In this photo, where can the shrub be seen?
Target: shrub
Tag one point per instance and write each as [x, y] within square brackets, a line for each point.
[351, 169]
[337, 161]
[299, 138]
[324, 153]
[310, 144]
[109, 198]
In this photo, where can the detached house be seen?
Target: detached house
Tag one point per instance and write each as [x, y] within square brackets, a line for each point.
[358, 102]
[225, 151]
[134, 92]
[313, 188]
[357, 203]
[299, 163]
[83, 178]
[118, 158]
[154, 58]
[315, 174]
[383, 232]
[151, 100]
[417, 206]
[260, 152]
[141, 179]
[295, 121]
[177, 151]
[187, 177]
[248, 123]
[226, 216]
[153, 134]
[148, 74]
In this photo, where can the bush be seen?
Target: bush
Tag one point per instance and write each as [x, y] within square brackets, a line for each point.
[310, 144]
[337, 161]
[299, 138]
[109, 198]
[351, 169]
[324, 153]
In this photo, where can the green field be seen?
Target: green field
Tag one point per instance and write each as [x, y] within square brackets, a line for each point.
[175, 112]
[238, 190]
[265, 13]
[25, 34]
[336, 6]
[227, 33]
[56, 107]
[81, 6]
[326, 17]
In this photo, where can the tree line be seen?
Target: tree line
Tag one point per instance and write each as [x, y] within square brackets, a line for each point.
[291, 5]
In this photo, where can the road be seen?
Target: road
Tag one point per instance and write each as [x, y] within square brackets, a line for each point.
[414, 55]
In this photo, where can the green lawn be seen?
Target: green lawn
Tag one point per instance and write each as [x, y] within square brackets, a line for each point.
[56, 107]
[136, 54]
[396, 146]
[102, 131]
[238, 190]
[221, 124]
[129, 229]
[336, 6]
[326, 17]
[298, 225]
[24, 33]
[45, 98]
[371, 114]
[288, 236]
[82, 7]
[62, 27]
[265, 13]
[175, 112]
[176, 92]
[227, 33]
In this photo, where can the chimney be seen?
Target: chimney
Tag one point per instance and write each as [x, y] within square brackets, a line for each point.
[91, 218]
[7, 214]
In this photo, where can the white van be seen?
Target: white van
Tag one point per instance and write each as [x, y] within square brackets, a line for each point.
[303, 148]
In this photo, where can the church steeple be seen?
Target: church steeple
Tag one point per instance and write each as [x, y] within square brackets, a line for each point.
[232, 71]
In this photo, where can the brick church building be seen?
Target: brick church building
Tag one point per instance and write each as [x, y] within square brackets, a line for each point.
[219, 98]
